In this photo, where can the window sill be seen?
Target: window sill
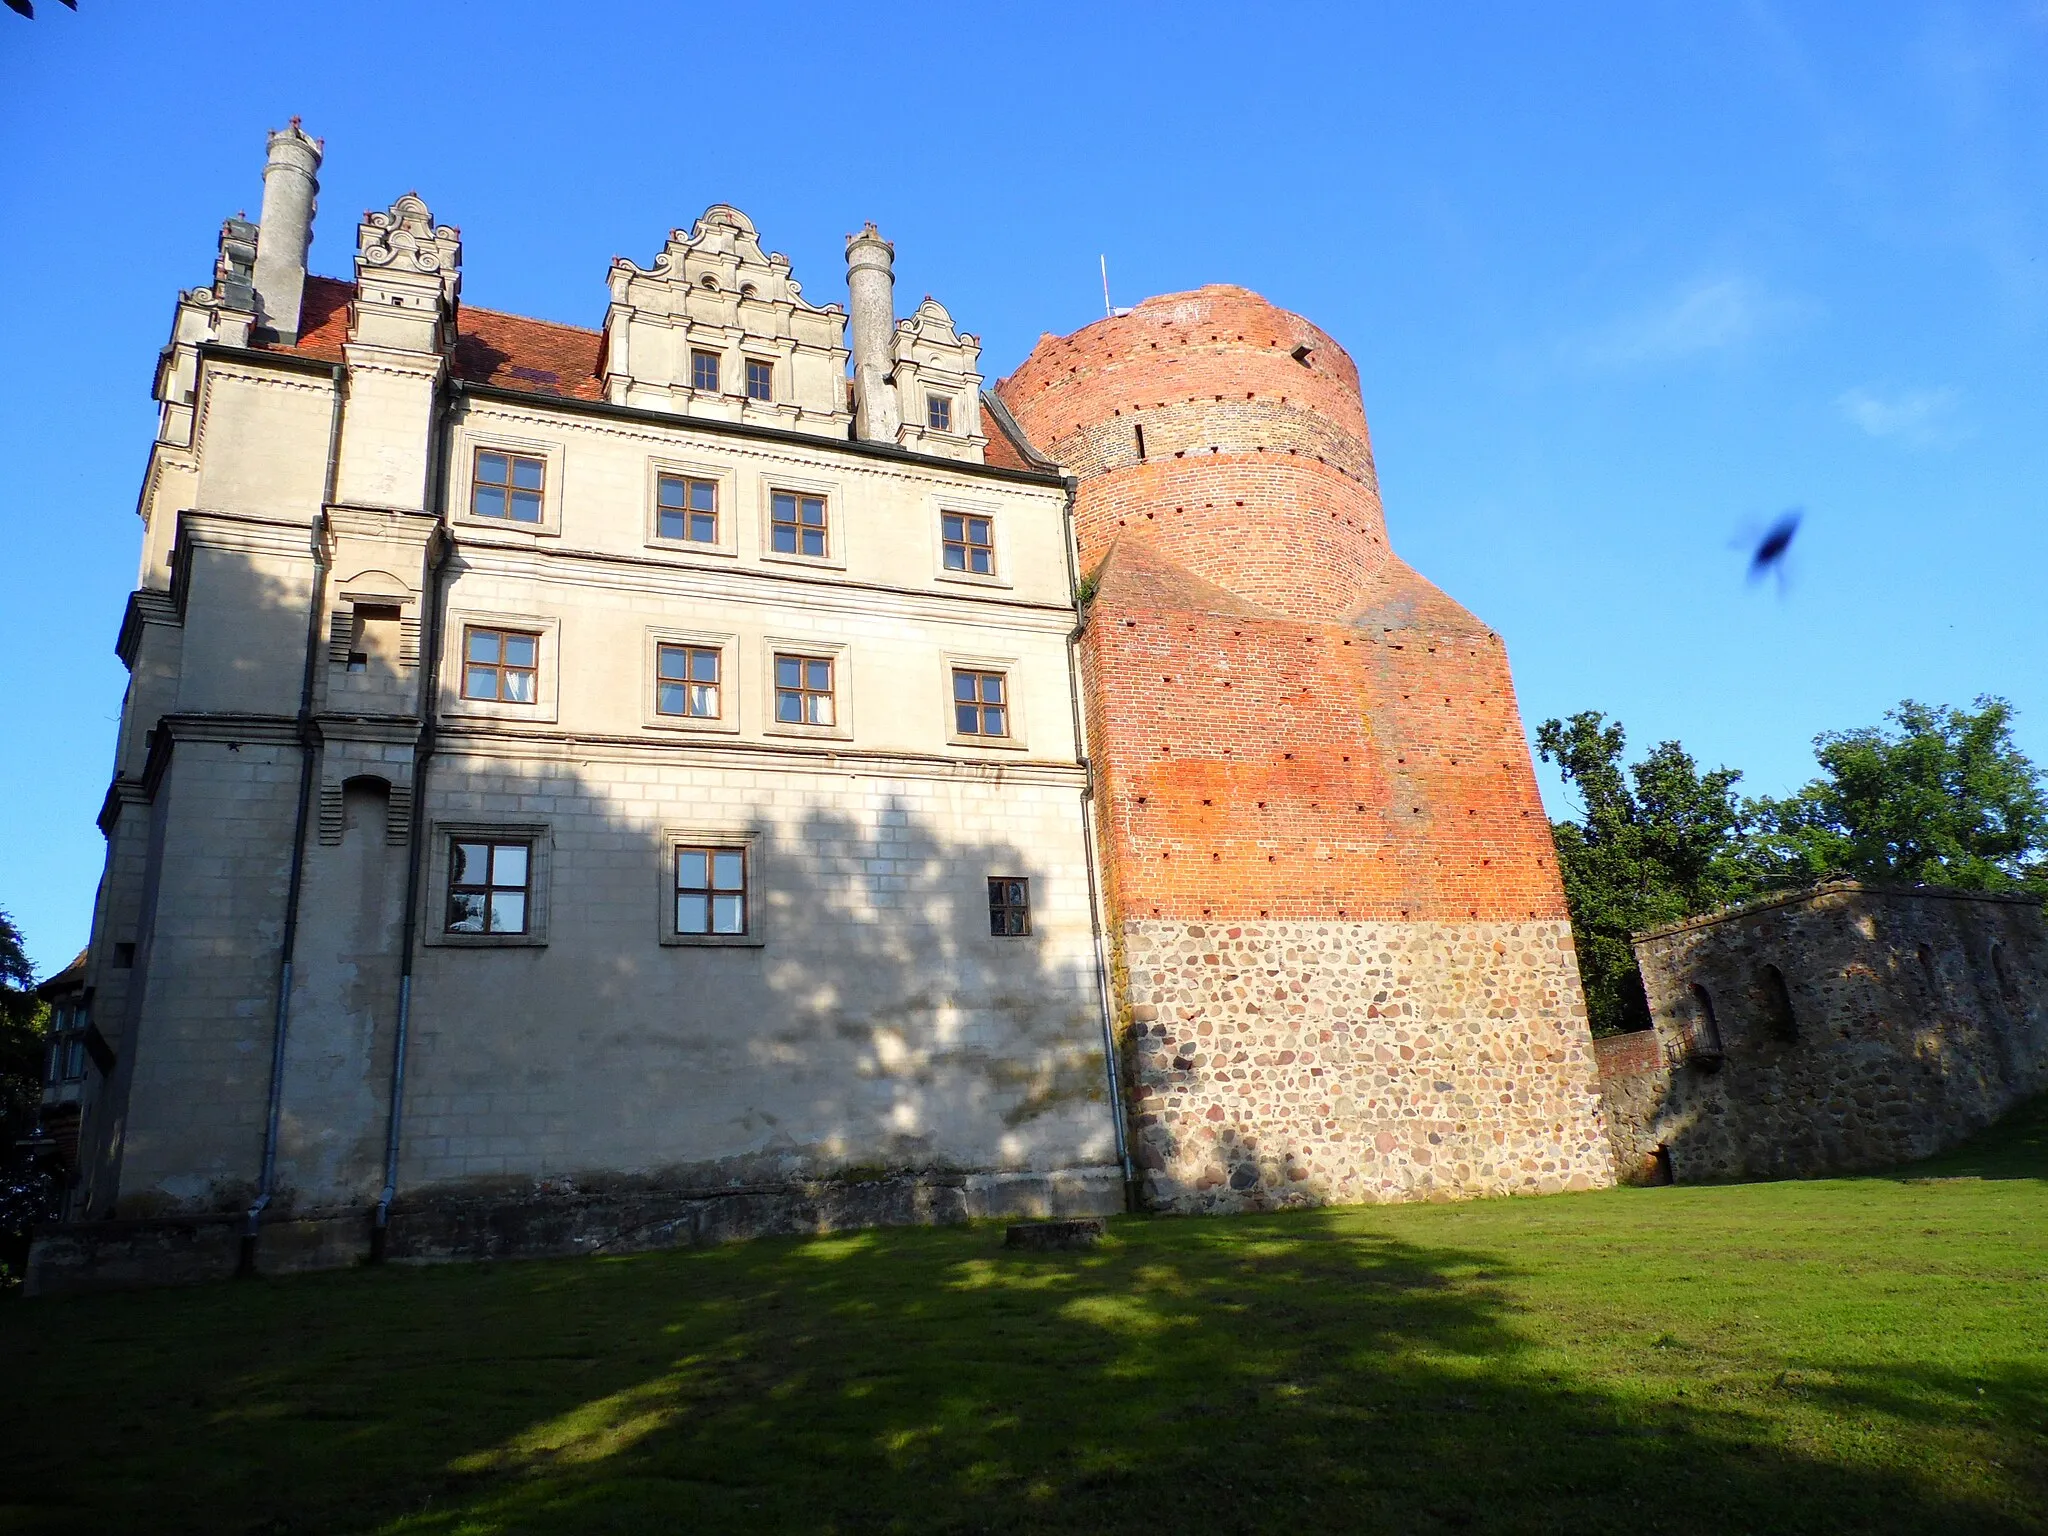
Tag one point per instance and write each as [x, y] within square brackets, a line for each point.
[988, 743]
[681, 726]
[815, 562]
[713, 940]
[808, 732]
[969, 579]
[447, 940]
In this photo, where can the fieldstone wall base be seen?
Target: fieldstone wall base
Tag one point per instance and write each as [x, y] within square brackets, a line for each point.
[1303, 1063]
[431, 1228]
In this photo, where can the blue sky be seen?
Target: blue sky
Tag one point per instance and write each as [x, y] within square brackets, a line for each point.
[1622, 280]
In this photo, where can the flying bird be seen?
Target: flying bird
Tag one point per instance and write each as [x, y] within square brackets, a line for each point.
[1770, 550]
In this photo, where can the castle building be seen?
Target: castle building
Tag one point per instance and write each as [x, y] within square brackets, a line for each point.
[727, 772]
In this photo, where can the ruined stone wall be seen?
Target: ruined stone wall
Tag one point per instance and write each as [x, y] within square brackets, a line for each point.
[1339, 938]
[1908, 1020]
[1635, 1080]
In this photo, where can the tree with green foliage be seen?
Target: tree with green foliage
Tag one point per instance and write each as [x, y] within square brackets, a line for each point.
[1654, 842]
[26, 1180]
[1943, 797]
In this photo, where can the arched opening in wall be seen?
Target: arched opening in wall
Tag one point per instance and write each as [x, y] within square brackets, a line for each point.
[1926, 953]
[1703, 1030]
[1660, 1166]
[365, 805]
[1779, 1018]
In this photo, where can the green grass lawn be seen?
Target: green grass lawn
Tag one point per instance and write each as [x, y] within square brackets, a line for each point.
[1842, 1355]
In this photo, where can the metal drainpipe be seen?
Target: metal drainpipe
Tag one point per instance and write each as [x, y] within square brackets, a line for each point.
[1116, 1098]
[430, 681]
[245, 1263]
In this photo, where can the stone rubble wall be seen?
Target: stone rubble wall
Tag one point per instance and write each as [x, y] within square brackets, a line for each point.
[1302, 1063]
[1917, 1018]
[1634, 1082]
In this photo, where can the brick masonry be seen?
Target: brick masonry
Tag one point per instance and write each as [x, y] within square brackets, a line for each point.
[1908, 1020]
[1339, 939]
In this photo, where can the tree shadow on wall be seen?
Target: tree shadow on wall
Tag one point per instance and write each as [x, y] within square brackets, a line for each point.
[1290, 1372]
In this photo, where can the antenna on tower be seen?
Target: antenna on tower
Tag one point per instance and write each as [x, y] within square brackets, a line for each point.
[1109, 310]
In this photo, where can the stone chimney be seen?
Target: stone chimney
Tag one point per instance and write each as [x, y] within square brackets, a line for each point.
[871, 286]
[290, 184]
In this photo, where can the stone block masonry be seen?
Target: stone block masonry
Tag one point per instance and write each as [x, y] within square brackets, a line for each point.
[1291, 1063]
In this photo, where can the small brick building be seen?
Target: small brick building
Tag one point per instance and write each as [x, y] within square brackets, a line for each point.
[1845, 1027]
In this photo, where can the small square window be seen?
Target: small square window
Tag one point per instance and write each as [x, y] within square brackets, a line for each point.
[711, 890]
[688, 682]
[760, 380]
[980, 707]
[507, 486]
[686, 508]
[704, 371]
[500, 666]
[797, 525]
[969, 543]
[938, 412]
[1009, 906]
[803, 691]
[488, 886]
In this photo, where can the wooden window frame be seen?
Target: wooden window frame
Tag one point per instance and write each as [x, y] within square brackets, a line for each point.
[500, 669]
[980, 704]
[699, 355]
[691, 649]
[766, 369]
[797, 496]
[1009, 906]
[490, 888]
[444, 835]
[509, 487]
[966, 545]
[803, 691]
[935, 407]
[701, 858]
[687, 511]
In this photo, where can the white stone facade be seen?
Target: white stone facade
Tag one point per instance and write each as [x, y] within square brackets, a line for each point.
[304, 748]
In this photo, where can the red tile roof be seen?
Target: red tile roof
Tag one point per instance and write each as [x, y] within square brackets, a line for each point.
[510, 351]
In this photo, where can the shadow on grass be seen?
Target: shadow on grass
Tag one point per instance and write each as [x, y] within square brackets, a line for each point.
[1286, 1372]
[2015, 1148]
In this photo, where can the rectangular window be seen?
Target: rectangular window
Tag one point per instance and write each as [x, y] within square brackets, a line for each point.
[704, 371]
[686, 508]
[760, 380]
[979, 706]
[508, 486]
[711, 890]
[797, 524]
[970, 543]
[1009, 906]
[687, 681]
[488, 886]
[500, 666]
[938, 412]
[803, 690]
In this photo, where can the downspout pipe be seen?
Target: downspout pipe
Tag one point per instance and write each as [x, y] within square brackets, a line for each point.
[1081, 747]
[423, 752]
[295, 884]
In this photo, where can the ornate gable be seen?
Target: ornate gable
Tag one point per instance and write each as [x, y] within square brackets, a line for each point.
[938, 384]
[680, 333]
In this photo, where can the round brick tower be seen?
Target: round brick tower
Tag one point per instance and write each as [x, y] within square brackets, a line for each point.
[1343, 961]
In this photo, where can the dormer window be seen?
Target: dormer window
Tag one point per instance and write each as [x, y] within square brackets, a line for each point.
[704, 372]
[760, 380]
[938, 412]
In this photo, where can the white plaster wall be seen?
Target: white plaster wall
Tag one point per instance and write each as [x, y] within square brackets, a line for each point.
[878, 1023]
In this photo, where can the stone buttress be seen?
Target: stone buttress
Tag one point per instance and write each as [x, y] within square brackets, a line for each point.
[1343, 961]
